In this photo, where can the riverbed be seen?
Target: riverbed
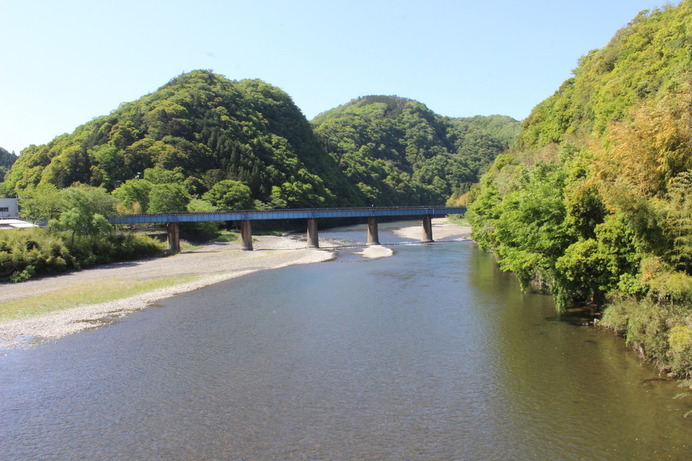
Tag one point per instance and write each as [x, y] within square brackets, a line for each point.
[430, 353]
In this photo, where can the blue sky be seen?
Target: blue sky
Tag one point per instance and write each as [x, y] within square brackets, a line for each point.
[63, 63]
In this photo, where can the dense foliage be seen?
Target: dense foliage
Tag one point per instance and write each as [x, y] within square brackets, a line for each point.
[78, 234]
[195, 131]
[596, 202]
[25, 253]
[397, 151]
[7, 159]
[200, 133]
[202, 142]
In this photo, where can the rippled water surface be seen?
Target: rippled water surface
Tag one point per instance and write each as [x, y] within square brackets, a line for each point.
[429, 354]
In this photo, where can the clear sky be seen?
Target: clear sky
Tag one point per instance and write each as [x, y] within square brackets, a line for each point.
[62, 63]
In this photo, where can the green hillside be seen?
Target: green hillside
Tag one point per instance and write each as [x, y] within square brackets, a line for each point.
[244, 144]
[595, 205]
[203, 129]
[203, 142]
[397, 151]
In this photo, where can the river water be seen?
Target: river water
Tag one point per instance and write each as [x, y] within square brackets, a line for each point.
[432, 354]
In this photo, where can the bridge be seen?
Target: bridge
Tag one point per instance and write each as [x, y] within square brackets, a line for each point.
[246, 217]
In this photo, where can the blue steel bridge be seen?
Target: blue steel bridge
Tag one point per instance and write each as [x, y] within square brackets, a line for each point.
[172, 220]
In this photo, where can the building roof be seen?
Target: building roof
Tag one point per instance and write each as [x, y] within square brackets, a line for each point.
[14, 224]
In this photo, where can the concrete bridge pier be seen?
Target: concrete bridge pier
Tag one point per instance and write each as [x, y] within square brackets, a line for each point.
[246, 235]
[373, 235]
[313, 238]
[174, 237]
[427, 229]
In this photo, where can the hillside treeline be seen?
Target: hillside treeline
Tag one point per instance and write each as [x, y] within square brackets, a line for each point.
[244, 144]
[397, 151]
[7, 159]
[203, 142]
[595, 202]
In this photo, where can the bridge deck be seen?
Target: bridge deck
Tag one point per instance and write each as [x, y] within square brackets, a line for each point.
[307, 213]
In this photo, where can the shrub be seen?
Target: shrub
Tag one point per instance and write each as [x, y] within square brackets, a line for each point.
[661, 332]
[26, 274]
[680, 353]
[28, 252]
[22, 248]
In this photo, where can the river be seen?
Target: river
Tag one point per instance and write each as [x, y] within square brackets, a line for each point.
[431, 354]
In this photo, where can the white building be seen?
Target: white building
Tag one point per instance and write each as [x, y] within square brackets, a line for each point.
[6, 224]
[9, 213]
[8, 208]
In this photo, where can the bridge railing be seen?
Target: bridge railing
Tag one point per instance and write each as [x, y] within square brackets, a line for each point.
[311, 214]
[299, 213]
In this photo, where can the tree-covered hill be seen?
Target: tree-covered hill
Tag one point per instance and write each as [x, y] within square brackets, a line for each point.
[396, 150]
[197, 130]
[596, 202]
[245, 144]
[7, 159]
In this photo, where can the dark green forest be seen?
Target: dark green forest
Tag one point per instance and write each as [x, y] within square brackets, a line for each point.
[594, 204]
[7, 159]
[396, 151]
[244, 144]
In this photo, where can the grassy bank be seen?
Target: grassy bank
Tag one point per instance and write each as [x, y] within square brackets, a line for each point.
[111, 289]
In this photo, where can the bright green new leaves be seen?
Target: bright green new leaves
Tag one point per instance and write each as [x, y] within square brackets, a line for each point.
[6, 161]
[230, 195]
[168, 197]
[529, 232]
[596, 206]
[84, 211]
[133, 195]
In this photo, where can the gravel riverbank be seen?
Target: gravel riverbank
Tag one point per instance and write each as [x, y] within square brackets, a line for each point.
[209, 264]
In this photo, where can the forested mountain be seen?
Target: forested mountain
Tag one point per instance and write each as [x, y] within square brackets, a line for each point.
[197, 130]
[7, 159]
[596, 202]
[244, 144]
[397, 151]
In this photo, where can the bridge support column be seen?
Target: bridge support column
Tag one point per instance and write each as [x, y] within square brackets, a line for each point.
[373, 235]
[313, 239]
[246, 235]
[427, 229]
[174, 237]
